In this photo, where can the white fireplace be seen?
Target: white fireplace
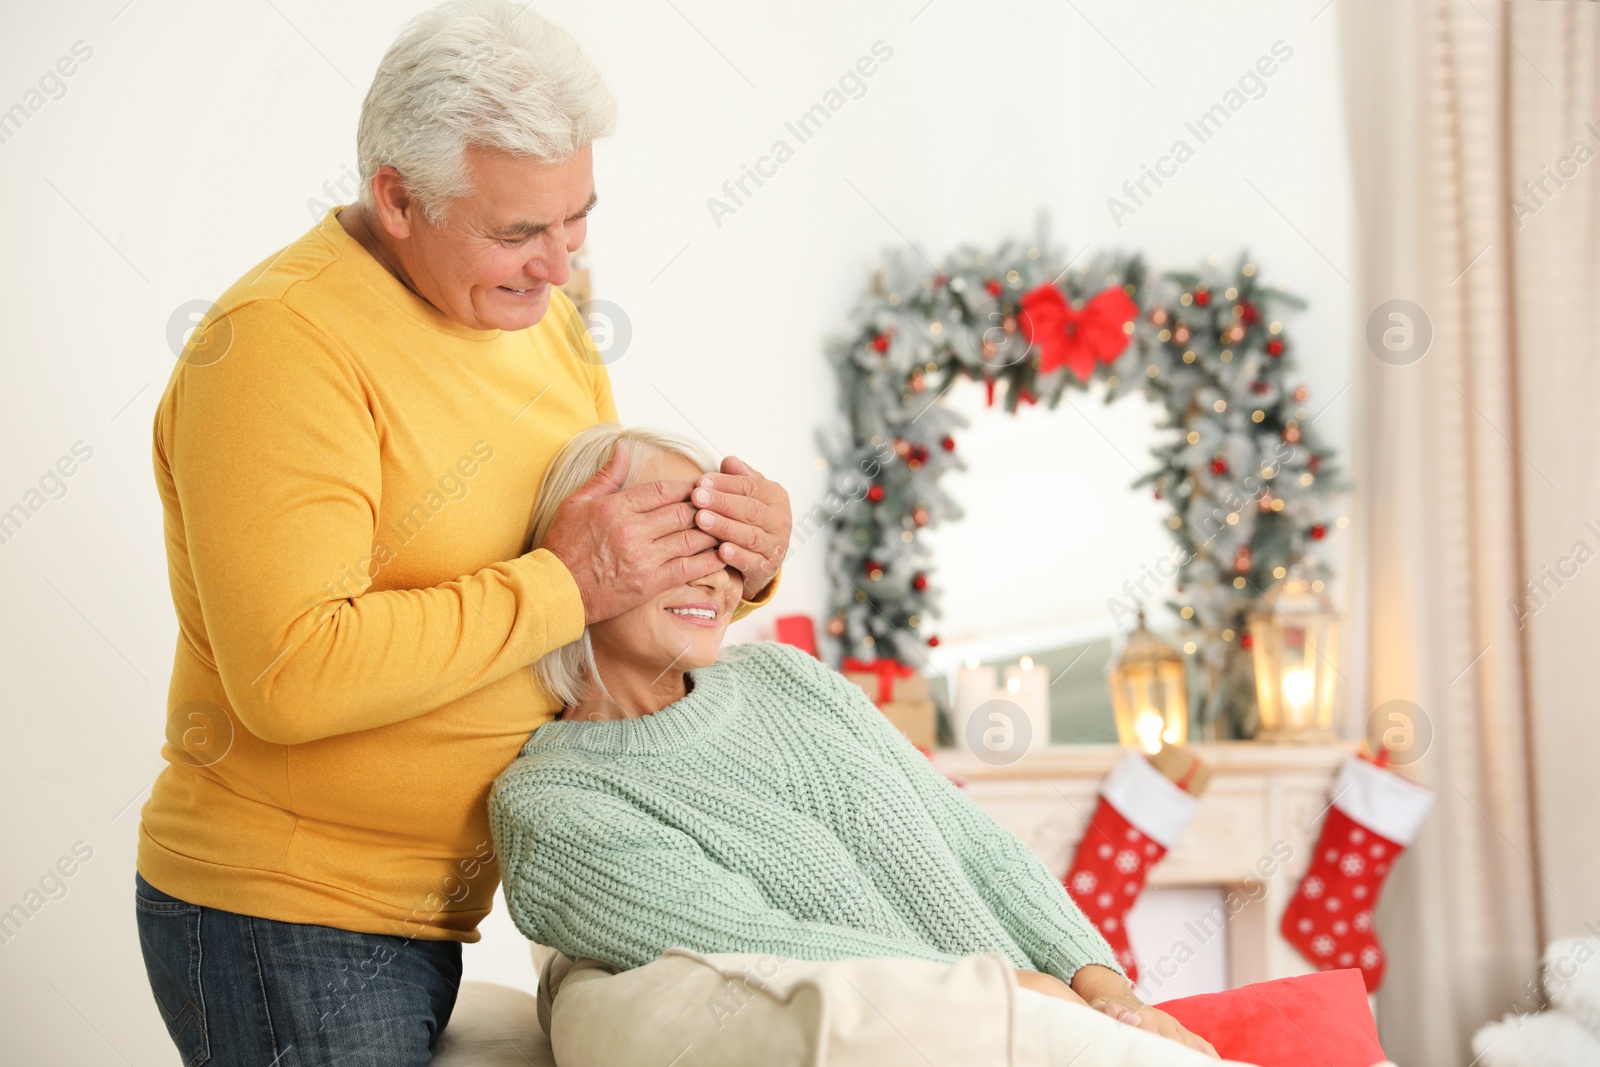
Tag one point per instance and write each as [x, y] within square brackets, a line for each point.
[1251, 839]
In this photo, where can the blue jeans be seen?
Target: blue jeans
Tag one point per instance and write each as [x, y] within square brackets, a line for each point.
[239, 991]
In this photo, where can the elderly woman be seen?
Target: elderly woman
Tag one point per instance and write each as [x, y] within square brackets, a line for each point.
[754, 802]
[345, 455]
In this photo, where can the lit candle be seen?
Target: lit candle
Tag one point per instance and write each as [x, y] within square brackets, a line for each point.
[1148, 727]
[1029, 687]
[1297, 686]
[974, 685]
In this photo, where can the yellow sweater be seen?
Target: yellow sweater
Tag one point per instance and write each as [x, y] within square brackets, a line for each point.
[347, 477]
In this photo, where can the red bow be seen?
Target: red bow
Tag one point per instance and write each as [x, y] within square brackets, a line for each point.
[1076, 338]
[887, 671]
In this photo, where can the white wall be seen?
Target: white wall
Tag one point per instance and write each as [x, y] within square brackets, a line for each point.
[187, 147]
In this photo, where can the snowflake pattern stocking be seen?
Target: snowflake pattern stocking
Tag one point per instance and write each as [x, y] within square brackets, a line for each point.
[1141, 815]
[1375, 814]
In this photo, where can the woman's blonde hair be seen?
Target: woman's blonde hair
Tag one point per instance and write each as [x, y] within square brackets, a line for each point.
[568, 672]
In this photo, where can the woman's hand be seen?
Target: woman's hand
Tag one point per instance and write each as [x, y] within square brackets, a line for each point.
[749, 514]
[1049, 985]
[1105, 990]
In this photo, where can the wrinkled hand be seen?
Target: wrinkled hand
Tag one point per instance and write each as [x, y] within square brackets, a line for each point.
[749, 514]
[624, 546]
[1105, 990]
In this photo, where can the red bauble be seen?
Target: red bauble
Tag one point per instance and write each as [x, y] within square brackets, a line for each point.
[1219, 466]
[1314, 463]
[875, 493]
[1248, 313]
[880, 343]
[1275, 347]
[1246, 642]
[920, 582]
[939, 280]
[873, 568]
[1260, 388]
[948, 444]
[1318, 532]
[1202, 297]
[919, 453]
[993, 286]
[933, 641]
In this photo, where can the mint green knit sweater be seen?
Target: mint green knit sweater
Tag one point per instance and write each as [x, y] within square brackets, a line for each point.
[771, 810]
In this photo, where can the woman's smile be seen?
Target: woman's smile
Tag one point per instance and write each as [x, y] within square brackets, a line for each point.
[701, 614]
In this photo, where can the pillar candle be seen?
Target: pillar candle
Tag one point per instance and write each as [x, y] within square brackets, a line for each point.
[1032, 693]
[974, 686]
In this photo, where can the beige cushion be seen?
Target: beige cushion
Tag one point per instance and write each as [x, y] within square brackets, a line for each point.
[737, 1010]
[493, 1026]
[734, 1010]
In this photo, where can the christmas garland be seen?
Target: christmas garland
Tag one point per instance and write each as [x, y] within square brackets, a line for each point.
[1240, 466]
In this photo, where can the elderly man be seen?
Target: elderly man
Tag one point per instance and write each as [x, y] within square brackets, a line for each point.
[346, 456]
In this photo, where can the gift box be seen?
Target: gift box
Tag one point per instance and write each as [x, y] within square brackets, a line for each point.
[901, 694]
[914, 718]
[799, 631]
[886, 681]
[1183, 767]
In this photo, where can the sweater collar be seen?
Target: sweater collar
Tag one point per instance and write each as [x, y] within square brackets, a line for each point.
[680, 725]
[392, 289]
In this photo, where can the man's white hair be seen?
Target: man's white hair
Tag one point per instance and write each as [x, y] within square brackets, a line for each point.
[478, 72]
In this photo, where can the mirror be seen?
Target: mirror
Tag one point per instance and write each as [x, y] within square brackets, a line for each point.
[1052, 531]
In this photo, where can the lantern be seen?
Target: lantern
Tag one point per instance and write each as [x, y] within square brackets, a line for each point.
[1295, 641]
[1149, 695]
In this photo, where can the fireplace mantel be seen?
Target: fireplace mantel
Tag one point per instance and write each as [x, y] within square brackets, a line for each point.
[1264, 802]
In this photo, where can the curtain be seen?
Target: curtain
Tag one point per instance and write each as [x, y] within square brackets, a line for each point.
[1477, 468]
[1557, 151]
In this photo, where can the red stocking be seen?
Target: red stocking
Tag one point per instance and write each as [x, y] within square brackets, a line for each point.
[1140, 816]
[1375, 814]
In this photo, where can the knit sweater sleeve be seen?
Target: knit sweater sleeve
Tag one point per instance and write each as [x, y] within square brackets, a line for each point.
[591, 875]
[1028, 901]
